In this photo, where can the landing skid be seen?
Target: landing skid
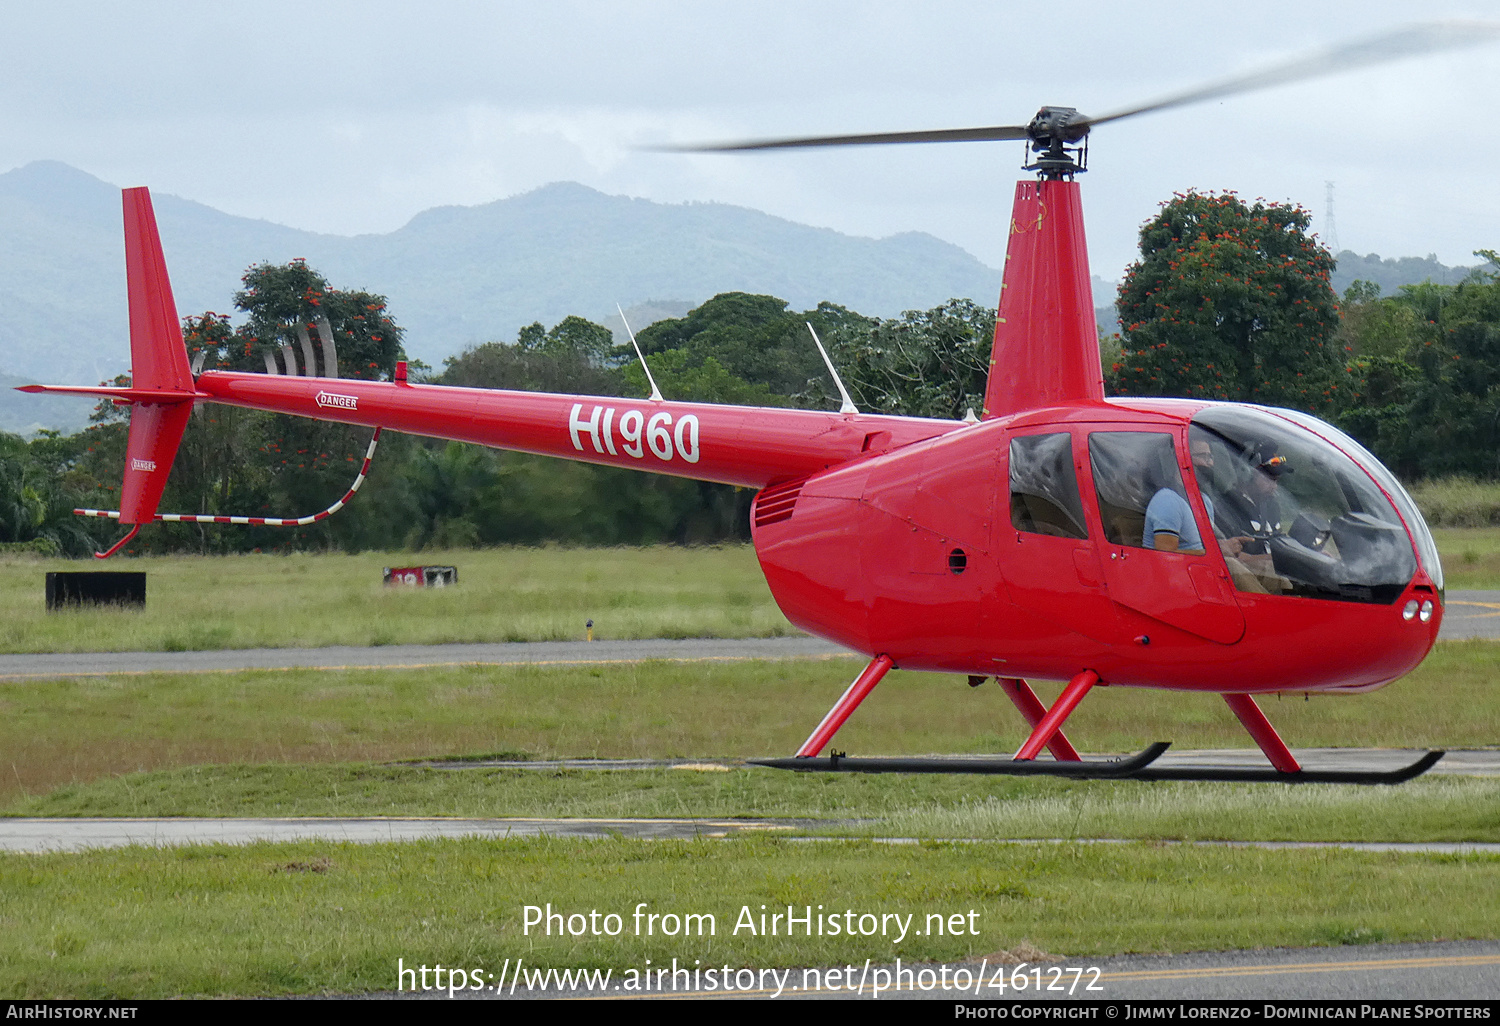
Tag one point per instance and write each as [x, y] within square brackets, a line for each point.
[1083, 769]
[1301, 776]
[1135, 767]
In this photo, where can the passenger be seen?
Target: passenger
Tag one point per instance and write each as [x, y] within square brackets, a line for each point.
[1170, 526]
[1253, 508]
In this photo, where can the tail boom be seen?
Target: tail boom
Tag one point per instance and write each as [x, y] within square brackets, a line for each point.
[747, 446]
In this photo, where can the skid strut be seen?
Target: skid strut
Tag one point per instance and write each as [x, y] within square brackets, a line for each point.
[1020, 693]
[862, 686]
[1061, 709]
[1265, 735]
[1047, 733]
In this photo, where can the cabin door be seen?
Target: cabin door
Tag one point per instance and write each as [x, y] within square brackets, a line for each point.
[1159, 554]
[1048, 555]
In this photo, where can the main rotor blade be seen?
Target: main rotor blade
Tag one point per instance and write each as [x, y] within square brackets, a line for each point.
[998, 133]
[1410, 41]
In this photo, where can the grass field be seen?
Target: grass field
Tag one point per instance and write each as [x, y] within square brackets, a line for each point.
[326, 918]
[54, 733]
[513, 594]
[1471, 556]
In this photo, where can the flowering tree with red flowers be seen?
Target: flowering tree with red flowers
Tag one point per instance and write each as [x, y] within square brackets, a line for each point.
[285, 300]
[1231, 301]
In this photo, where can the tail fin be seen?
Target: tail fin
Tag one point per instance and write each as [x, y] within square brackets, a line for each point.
[158, 360]
[158, 363]
[1046, 349]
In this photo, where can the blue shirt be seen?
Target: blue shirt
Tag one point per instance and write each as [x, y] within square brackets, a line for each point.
[1169, 512]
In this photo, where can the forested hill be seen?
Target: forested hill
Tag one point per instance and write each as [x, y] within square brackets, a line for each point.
[454, 275]
[1393, 272]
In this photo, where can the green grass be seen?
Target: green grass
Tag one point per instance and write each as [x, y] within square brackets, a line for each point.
[1433, 808]
[302, 743]
[1471, 556]
[60, 732]
[1458, 501]
[511, 594]
[327, 918]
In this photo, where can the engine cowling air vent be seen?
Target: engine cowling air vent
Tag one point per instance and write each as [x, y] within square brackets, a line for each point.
[775, 504]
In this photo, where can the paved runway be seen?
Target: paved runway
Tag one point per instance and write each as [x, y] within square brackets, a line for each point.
[1445, 971]
[42, 835]
[82, 834]
[1470, 614]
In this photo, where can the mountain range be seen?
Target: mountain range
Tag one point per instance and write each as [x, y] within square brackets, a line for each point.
[455, 276]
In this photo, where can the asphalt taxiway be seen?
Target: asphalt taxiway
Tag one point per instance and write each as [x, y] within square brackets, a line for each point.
[1440, 974]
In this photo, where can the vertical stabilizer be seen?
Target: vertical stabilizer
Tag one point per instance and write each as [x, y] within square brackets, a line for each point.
[158, 362]
[158, 359]
[1046, 348]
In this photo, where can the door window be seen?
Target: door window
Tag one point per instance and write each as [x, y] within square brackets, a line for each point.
[1044, 487]
[1141, 498]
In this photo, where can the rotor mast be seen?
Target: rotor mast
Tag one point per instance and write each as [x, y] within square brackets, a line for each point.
[1046, 345]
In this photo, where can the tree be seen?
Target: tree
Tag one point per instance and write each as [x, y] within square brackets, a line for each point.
[1426, 394]
[573, 357]
[285, 300]
[1231, 301]
[755, 339]
[573, 336]
[931, 363]
[39, 489]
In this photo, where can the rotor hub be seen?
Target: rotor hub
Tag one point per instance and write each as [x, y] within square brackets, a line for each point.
[1059, 135]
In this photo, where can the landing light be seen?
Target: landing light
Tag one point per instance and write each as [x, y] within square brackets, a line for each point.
[1410, 609]
[1426, 610]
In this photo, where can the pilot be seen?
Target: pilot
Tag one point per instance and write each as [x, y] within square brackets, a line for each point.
[1253, 510]
[1172, 527]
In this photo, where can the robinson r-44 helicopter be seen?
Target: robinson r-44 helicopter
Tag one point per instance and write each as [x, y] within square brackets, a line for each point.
[1061, 535]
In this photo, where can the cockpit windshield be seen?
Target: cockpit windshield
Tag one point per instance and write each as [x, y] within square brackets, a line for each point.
[1296, 515]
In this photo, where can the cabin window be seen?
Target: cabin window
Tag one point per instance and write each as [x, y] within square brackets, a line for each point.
[1130, 469]
[1302, 517]
[1044, 486]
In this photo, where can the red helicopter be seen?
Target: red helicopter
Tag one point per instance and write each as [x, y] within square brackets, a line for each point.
[1062, 535]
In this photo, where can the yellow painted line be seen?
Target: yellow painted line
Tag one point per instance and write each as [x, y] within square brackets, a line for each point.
[1382, 964]
[1477, 616]
[1306, 967]
[58, 674]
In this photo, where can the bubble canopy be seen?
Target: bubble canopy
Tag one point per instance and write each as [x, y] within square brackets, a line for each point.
[1314, 513]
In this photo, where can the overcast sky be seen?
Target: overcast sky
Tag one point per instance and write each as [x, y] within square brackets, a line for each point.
[352, 117]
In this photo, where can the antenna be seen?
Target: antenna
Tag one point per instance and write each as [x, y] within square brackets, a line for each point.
[655, 392]
[847, 406]
[1330, 224]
